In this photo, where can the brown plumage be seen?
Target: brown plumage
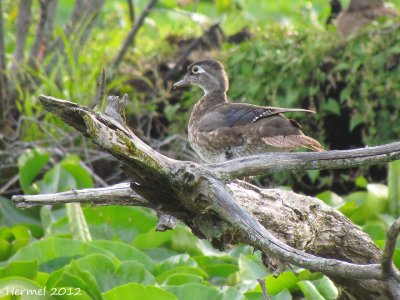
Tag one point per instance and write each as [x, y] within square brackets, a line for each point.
[360, 13]
[220, 130]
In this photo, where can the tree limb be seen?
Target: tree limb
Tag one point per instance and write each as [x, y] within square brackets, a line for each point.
[282, 162]
[235, 212]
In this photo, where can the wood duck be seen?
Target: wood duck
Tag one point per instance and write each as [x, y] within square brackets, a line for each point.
[220, 130]
[360, 13]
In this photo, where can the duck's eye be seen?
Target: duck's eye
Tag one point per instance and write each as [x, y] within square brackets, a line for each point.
[195, 70]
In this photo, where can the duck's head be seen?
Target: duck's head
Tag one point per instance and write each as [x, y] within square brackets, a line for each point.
[208, 74]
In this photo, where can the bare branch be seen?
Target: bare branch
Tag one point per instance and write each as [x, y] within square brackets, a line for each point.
[120, 194]
[282, 162]
[131, 11]
[388, 250]
[130, 40]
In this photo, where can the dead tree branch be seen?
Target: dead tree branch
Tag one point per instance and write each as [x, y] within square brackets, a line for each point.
[288, 228]
[294, 162]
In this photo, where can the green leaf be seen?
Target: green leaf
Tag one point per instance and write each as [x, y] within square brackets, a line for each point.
[251, 268]
[179, 279]
[310, 291]
[138, 291]
[5, 249]
[125, 252]
[287, 280]
[21, 232]
[331, 198]
[53, 253]
[10, 215]
[71, 164]
[72, 276]
[361, 182]
[152, 239]
[326, 288]
[118, 222]
[193, 291]
[331, 106]
[30, 163]
[27, 269]
[181, 260]
[181, 270]
[56, 180]
[376, 230]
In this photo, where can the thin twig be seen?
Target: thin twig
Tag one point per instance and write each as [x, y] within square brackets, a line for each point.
[130, 40]
[131, 11]
[388, 250]
[261, 282]
[9, 183]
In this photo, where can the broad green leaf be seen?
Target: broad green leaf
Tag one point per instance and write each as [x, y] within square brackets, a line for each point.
[72, 276]
[119, 222]
[71, 163]
[57, 179]
[220, 270]
[181, 260]
[251, 268]
[181, 270]
[30, 163]
[30, 289]
[5, 249]
[10, 215]
[53, 253]
[26, 269]
[376, 230]
[331, 199]
[138, 291]
[326, 288]
[287, 280]
[152, 239]
[179, 279]
[309, 290]
[125, 252]
[194, 291]
[6, 234]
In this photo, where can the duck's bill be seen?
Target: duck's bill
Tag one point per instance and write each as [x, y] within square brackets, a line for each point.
[183, 82]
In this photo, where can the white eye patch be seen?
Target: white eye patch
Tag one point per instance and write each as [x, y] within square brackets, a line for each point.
[197, 70]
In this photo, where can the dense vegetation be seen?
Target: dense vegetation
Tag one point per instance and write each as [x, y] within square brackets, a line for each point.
[289, 59]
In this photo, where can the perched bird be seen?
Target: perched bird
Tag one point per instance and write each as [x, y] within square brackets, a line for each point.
[360, 13]
[220, 130]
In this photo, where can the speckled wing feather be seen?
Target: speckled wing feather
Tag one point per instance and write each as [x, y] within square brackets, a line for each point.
[238, 114]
